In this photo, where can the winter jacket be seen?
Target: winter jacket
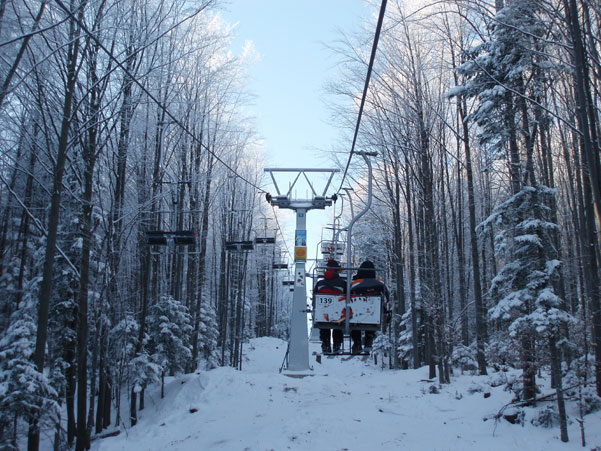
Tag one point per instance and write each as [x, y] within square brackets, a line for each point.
[365, 283]
[331, 283]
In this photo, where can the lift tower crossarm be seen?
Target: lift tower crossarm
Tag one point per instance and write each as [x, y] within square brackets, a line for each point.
[285, 198]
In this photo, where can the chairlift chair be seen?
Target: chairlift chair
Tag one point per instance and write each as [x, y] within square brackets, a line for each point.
[265, 240]
[169, 239]
[330, 312]
[366, 312]
[239, 246]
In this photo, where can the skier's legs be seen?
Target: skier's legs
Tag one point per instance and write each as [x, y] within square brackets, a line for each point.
[324, 336]
[356, 337]
[338, 337]
[369, 338]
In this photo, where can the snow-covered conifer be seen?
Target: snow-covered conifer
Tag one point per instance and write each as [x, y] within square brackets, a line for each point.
[523, 288]
[24, 392]
[208, 335]
[169, 328]
[496, 68]
[382, 346]
[143, 371]
[122, 344]
[404, 346]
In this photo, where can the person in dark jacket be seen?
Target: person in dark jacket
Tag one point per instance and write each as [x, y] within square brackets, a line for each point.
[365, 283]
[331, 283]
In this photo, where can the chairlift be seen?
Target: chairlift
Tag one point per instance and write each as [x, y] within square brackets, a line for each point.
[174, 241]
[265, 240]
[366, 312]
[239, 246]
[177, 238]
[170, 241]
[332, 248]
[279, 266]
[348, 311]
[288, 282]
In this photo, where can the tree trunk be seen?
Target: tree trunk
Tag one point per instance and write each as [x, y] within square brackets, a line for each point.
[33, 443]
[5, 88]
[481, 332]
[70, 380]
[133, 416]
[24, 232]
[587, 125]
[202, 258]
[412, 294]
[556, 371]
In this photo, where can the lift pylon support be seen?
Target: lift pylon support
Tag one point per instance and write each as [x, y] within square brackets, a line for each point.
[298, 349]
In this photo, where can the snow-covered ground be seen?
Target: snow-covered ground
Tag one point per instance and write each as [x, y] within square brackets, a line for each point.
[345, 405]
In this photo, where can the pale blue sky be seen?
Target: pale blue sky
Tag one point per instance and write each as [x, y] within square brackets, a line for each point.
[289, 81]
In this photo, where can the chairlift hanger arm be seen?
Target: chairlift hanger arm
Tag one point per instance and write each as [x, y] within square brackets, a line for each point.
[354, 219]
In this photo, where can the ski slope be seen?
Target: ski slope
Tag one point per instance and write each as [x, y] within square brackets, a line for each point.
[346, 405]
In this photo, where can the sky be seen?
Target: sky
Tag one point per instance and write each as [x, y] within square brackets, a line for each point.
[289, 81]
[290, 37]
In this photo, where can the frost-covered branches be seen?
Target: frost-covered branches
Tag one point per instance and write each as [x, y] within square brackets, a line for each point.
[169, 328]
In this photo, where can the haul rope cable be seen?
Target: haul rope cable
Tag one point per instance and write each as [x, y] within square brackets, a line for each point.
[367, 78]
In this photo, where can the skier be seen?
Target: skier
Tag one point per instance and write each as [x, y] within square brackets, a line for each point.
[331, 283]
[365, 283]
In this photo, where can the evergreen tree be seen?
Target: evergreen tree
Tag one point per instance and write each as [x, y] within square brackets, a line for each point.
[143, 371]
[8, 286]
[524, 285]
[24, 392]
[404, 346]
[122, 343]
[381, 346]
[169, 328]
[497, 69]
[209, 335]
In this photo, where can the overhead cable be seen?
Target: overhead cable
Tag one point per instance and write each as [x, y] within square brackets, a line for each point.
[372, 58]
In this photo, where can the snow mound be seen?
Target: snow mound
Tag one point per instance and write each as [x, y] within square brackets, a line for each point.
[347, 404]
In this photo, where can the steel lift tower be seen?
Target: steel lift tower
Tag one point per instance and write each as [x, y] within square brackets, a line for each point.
[298, 348]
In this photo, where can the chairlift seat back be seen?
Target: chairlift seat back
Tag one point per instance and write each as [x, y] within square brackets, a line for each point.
[330, 311]
[162, 238]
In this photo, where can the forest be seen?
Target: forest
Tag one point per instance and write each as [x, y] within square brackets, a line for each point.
[124, 117]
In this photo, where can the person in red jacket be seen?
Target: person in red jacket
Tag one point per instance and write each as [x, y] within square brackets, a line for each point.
[331, 283]
[366, 284]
